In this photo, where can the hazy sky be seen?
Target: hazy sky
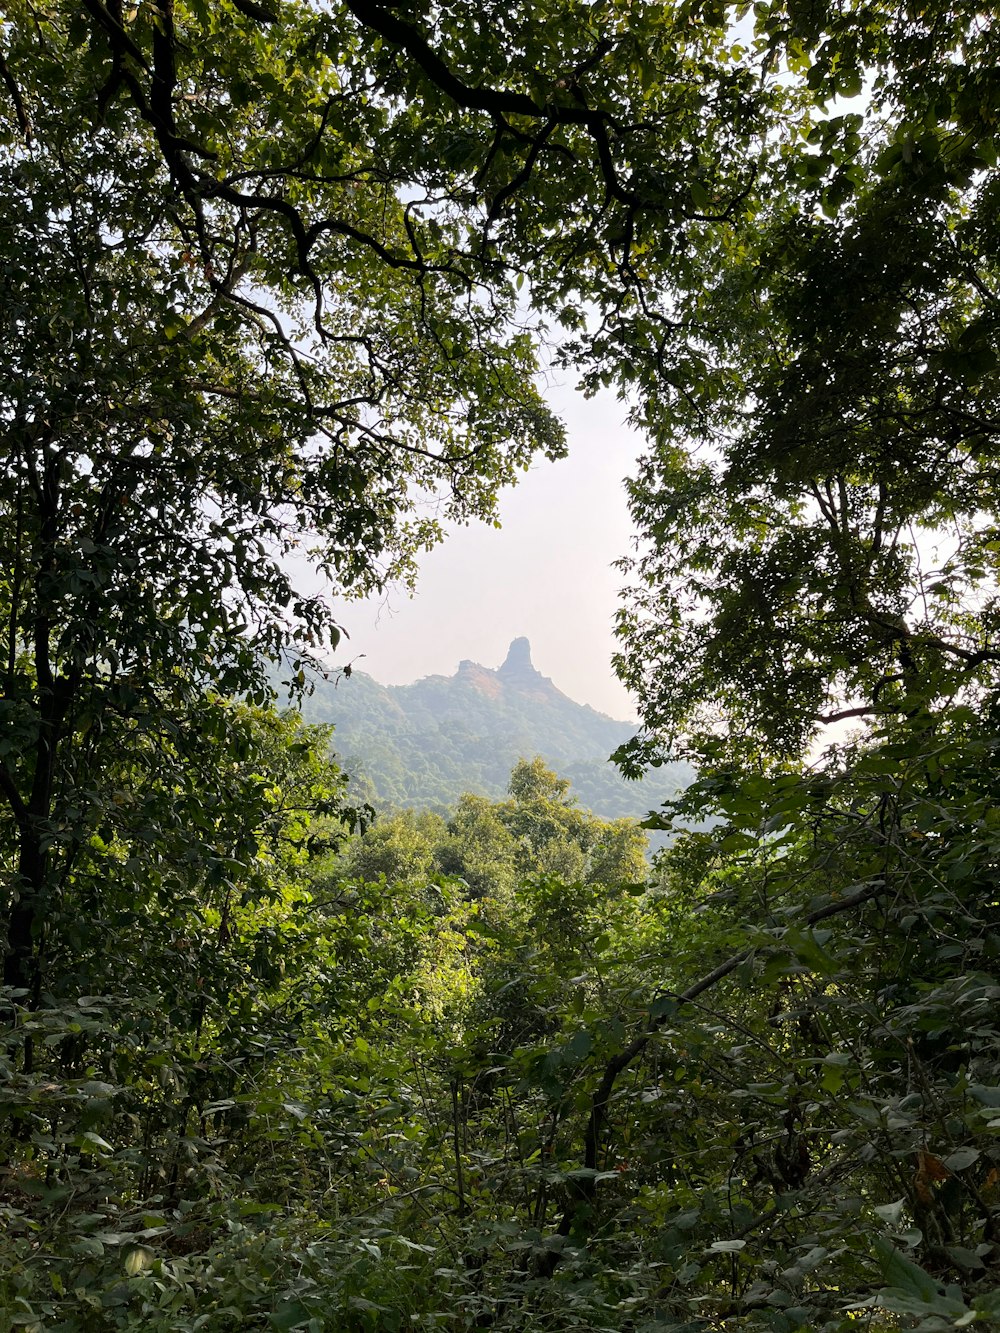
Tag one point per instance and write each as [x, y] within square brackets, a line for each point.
[546, 574]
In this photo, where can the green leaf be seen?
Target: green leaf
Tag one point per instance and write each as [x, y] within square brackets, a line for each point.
[137, 1260]
[904, 1274]
[962, 1158]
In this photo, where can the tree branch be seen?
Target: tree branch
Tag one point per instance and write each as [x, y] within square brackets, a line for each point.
[14, 798]
[23, 119]
[845, 713]
[498, 101]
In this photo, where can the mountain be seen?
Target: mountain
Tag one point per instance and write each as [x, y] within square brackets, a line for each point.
[424, 745]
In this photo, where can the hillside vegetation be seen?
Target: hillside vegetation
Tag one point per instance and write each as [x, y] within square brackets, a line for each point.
[427, 744]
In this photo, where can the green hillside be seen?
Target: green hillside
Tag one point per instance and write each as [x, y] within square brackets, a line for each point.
[423, 745]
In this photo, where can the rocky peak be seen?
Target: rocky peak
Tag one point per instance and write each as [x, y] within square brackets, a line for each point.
[519, 674]
[518, 660]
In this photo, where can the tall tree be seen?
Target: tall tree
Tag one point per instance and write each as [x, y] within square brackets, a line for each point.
[818, 541]
[178, 421]
[261, 275]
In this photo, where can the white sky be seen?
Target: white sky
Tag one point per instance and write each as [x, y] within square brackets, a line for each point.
[546, 574]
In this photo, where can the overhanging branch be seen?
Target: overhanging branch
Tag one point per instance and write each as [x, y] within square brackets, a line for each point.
[500, 102]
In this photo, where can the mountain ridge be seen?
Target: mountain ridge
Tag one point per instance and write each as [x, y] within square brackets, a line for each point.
[427, 743]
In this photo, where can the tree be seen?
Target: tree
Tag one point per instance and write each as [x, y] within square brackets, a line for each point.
[817, 512]
[263, 297]
[173, 961]
[819, 543]
[260, 280]
[495, 847]
[756, 1111]
[480, 849]
[178, 422]
[397, 848]
[554, 837]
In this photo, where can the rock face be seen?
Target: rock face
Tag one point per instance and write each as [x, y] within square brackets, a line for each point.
[518, 660]
[478, 678]
[518, 673]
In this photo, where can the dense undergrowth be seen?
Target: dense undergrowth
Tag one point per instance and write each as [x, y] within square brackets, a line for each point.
[756, 1089]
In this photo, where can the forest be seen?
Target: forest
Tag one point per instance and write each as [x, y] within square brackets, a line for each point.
[279, 285]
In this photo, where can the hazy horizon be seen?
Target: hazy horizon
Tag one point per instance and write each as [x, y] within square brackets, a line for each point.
[360, 666]
[545, 575]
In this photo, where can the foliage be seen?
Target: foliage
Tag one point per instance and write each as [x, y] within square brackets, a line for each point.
[259, 277]
[496, 846]
[818, 546]
[818, 527]
[176, 418]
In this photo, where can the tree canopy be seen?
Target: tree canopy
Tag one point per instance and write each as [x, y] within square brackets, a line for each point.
[496, 846]
[817, 511]
[189, 400]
